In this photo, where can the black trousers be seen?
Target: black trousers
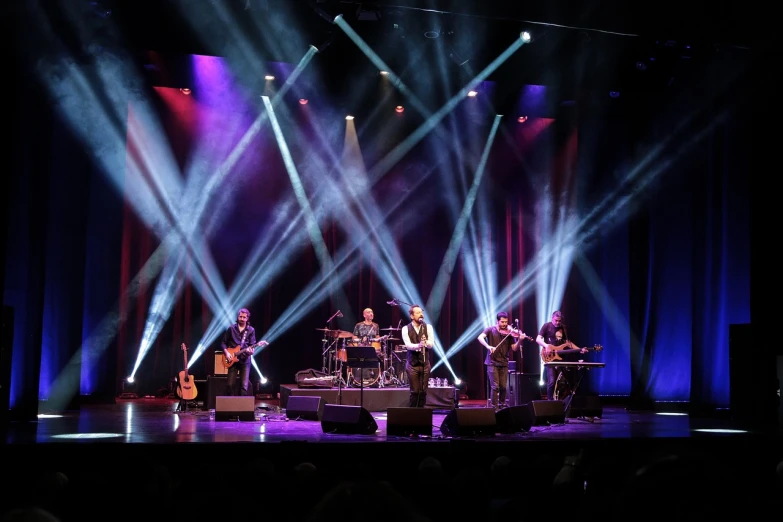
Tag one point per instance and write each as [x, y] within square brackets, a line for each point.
[498, 385]
[418, 379]
[238, 378]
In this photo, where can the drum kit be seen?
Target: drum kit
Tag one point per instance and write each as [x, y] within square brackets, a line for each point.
[390, 371]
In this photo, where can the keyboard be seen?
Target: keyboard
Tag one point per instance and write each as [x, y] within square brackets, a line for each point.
[572, 364]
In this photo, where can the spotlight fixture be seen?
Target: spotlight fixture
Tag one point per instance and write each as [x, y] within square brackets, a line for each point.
[349, 117]
[399, 108]
[525, 36]
[472, 93]
[184, 90]
[302, 101]
[522, 119]
[384, 73]
[269, 77]
[614, 94]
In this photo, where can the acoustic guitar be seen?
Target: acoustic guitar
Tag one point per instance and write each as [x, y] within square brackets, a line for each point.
[240, 354]
[186, 386]
[552, 353]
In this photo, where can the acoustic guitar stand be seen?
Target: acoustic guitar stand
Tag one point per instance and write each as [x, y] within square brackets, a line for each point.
[182, 407]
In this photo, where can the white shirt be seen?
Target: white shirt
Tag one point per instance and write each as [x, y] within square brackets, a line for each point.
[406, 340]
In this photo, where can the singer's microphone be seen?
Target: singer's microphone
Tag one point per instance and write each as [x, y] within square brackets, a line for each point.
[393, 302]
[339, 313]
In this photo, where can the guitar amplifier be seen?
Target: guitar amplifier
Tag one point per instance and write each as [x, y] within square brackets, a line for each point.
[220, 368]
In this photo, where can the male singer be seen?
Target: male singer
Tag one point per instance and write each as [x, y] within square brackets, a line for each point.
[417, 337]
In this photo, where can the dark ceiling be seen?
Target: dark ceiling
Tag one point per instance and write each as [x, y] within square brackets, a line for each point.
[607, 44]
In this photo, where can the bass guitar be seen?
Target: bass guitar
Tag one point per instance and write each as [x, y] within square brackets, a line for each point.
[186, 386]
[552, 353]
[240, 354]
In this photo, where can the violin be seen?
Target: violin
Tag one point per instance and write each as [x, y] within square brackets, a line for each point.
[515, 333]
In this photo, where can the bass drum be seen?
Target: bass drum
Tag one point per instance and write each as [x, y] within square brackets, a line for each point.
[369, 376]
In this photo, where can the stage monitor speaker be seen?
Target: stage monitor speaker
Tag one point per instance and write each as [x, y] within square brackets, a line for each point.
[352, 420]
[408, 421]
[585, 406]
[235, 408]
[216, 385]
[545, 413]
[471, 422]
[304, 407]
[514, 419]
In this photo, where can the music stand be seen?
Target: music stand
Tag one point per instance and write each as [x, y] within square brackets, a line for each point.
[361, 357]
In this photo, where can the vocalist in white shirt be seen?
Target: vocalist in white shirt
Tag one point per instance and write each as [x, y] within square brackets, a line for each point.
[417, 336]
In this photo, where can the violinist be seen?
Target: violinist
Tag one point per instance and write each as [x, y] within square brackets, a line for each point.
[499, 340]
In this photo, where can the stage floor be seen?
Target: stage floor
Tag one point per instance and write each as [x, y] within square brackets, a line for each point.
[156, 421]
[131, 436]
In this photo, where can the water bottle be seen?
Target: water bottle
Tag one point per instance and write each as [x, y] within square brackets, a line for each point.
[431, 382]
[437, 382]
[444, 382]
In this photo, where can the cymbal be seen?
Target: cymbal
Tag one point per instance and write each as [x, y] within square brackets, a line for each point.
[342, 334]
[326, 330]
[392, 339]
[389, 328]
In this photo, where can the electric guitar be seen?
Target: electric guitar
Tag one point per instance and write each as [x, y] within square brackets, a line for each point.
[551, 352]
[238, 353]
[186, 386]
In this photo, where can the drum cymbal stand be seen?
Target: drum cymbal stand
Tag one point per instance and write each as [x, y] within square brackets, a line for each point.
[337, 373]
[388, 378]
[326, 360]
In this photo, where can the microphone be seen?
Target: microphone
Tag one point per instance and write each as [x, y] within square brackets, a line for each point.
[393, 302]
[516, 323]
[339, 313]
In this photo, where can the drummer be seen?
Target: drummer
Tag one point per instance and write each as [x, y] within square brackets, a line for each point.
[367, 331]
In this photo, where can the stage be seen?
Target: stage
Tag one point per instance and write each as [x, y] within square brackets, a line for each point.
[121, 444]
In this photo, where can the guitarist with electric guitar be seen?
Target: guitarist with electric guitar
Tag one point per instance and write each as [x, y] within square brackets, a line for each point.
[555, 346]
[238, 345]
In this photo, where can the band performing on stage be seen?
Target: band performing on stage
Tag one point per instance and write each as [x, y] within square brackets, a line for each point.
[403, 355]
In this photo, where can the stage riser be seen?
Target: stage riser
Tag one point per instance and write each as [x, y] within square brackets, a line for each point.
[375, 399]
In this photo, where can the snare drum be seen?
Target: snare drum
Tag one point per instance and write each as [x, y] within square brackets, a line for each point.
[342, 354]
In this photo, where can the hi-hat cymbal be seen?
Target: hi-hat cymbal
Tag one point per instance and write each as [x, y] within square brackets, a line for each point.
[389, 328]
[392, 339]
[326, 330]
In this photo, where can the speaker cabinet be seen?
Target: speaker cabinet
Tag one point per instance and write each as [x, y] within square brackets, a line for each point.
[304, 407]
[235, 408]
[408, 421]
[514, 419]
[545, 413]
[585, 406]
[216, 385]
[471, 422]
[352, 420]
[523, 388]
